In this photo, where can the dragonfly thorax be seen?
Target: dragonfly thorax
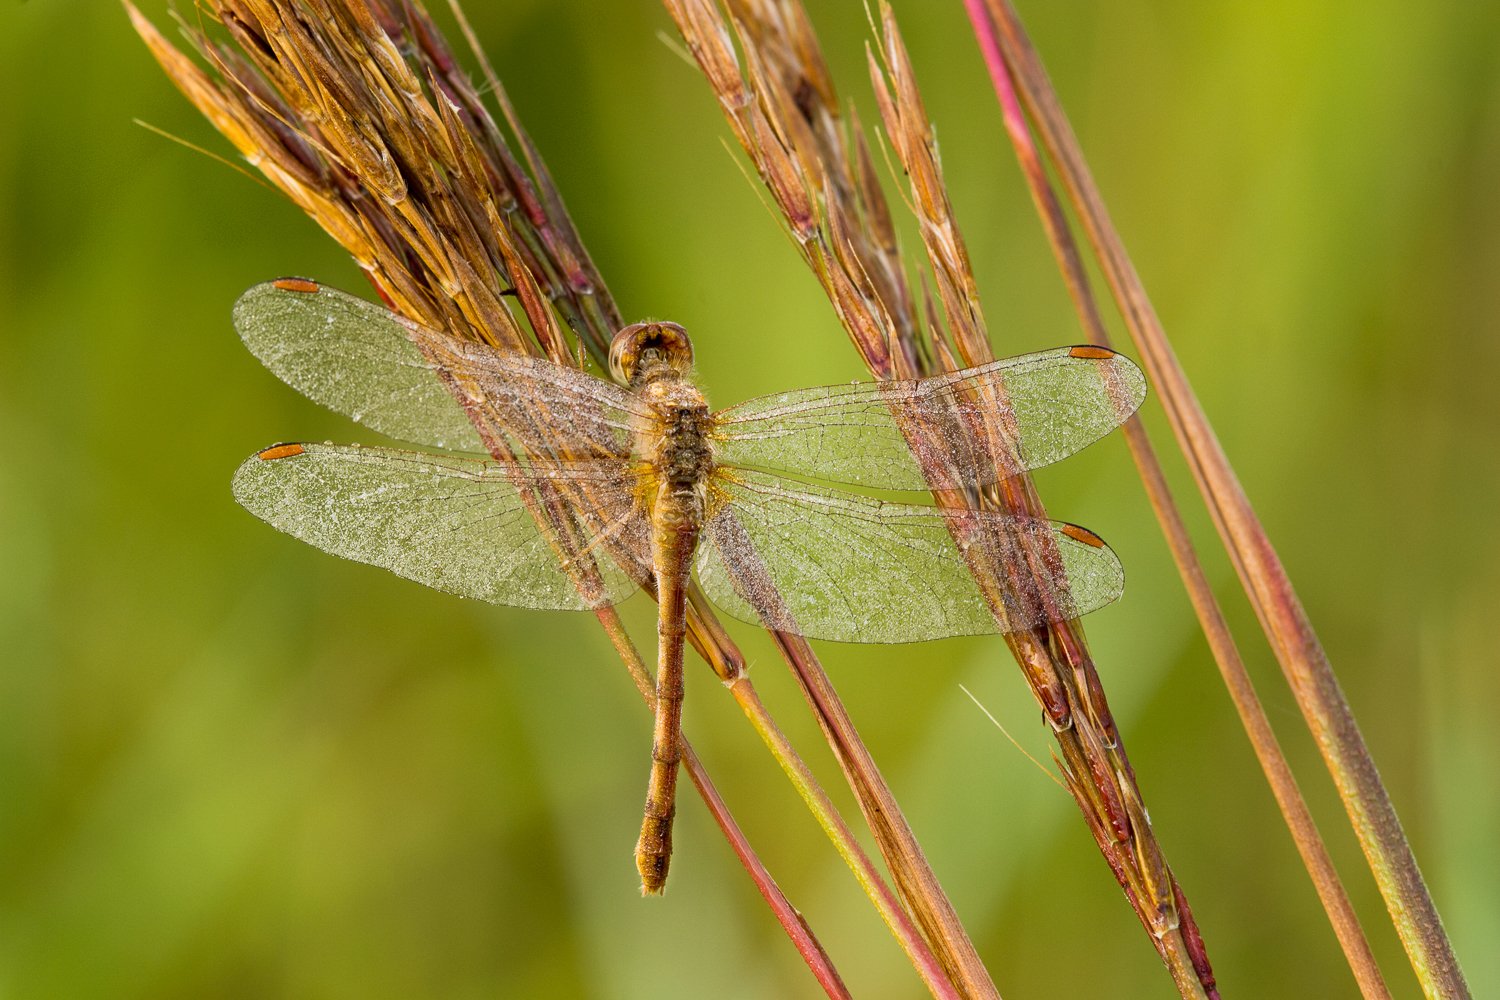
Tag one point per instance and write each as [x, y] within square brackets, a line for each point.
[677, 442]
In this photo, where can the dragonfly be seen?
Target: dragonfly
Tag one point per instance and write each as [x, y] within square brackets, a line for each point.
[557, 489]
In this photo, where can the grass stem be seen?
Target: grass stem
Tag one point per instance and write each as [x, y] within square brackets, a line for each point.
[1264, 578]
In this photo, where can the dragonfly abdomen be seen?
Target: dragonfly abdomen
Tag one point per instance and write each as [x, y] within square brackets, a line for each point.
[675, 525]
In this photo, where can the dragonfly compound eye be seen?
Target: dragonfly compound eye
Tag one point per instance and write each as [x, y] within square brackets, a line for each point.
[644, 343]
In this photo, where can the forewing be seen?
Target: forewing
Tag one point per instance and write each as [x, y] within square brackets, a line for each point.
[831, 565]
[423, 386]
[966, 428]
[465, 526]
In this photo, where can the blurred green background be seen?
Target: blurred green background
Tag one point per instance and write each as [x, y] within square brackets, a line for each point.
[236, 767]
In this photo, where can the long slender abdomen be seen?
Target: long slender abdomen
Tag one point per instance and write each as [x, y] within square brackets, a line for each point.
[675, 526]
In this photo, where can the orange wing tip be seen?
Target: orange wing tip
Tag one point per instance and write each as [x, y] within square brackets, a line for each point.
[1091, 352]
[280, 451]
[302, 285]
[1083, 535]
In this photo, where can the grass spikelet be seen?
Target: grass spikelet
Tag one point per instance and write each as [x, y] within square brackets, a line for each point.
[854, 255]
[358, 112]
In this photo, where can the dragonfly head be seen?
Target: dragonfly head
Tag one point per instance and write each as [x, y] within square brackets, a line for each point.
[641, 349]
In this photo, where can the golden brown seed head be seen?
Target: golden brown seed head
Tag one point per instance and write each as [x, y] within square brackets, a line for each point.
[640, 346]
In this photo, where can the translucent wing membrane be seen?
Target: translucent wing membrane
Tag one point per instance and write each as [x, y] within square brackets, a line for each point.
[965, 428]
[831, 565]
[423, 386]
[564, 528]
[461, 525]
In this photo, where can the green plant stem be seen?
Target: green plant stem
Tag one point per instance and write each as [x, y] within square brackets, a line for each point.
[905, 932]
[916, 880]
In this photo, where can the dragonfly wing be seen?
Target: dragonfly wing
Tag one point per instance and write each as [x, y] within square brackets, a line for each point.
[465, 526]
[967, 428]
[831, 565]
[423, 386]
